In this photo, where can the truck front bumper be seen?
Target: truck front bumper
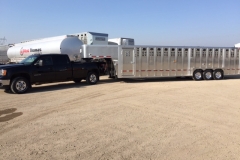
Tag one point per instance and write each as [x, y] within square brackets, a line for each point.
[4, 83]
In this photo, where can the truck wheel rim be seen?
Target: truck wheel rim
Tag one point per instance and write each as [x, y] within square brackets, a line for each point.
[93, 78]
[21, 85]
[218, 75]
[208, 75]
[198, 75]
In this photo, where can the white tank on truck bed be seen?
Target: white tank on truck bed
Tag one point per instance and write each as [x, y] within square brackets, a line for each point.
[67, 44]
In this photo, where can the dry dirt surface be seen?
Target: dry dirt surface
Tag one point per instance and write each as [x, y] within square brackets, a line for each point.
[162, 119]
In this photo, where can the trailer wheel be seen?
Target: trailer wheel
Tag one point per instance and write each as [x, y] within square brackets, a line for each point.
[77, 80]
[92, 78]
[198, 75]
[19, 85]
[218, 74]
[208, 75]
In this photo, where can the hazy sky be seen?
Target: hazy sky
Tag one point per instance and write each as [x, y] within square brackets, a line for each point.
[151, 22]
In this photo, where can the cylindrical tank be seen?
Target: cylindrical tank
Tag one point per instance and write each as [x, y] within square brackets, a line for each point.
[3, 54]
[69, 45]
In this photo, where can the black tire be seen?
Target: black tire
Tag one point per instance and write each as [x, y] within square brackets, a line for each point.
[208, 75]
[218, 74]
[198, 75]
[19, 85]
[92, 78]
[77, 80]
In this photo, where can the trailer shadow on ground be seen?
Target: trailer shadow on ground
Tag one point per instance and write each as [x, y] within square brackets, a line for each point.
[166, 79]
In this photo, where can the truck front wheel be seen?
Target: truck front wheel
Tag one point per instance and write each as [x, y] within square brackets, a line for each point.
[19, 85]
[92, 78]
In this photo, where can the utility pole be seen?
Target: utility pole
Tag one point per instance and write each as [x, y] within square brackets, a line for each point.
[2, 41]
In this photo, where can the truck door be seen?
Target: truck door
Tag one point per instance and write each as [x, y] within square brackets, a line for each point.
[128, 63]
[43, 70]
[62, 67]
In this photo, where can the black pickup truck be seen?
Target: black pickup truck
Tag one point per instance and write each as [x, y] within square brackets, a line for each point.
[39, 69]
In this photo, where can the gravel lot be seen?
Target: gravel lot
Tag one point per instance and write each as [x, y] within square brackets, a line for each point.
[165, 118]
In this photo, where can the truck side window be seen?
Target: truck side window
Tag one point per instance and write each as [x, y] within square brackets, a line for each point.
[61, 60]
[45, 61]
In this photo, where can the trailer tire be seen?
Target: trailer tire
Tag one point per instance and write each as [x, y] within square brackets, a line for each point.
[218, 74]
[77, 80]
[19, 85]
[198, 75]
[208, 75]
[92, 78]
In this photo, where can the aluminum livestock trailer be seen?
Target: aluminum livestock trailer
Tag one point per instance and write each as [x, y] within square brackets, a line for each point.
[167, 61]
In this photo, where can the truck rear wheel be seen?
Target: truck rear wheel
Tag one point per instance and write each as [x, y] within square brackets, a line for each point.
[92, 78]
[218, 74]
[19, 85]
[198, 75]
[208, 75]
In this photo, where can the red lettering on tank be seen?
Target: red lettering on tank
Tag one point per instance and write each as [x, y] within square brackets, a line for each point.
[23, 51]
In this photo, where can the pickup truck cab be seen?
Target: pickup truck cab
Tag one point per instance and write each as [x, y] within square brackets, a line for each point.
[47, 68]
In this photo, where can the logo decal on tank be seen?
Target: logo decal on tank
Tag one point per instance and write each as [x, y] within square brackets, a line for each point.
[23, 51]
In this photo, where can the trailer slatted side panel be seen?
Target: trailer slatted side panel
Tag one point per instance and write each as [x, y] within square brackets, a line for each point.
[172, 64]
[165, 62]
[151, 64]
[138, 62]
[177, 61]
[158, 64]
[215, 58]
[185, 62]
[237, 61]
[197, 58]
[144, 64]
[226, 62]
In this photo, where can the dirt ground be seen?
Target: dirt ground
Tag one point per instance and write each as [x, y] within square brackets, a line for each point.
[165, 118]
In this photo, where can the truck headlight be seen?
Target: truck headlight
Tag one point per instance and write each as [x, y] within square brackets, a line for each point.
[3, 72]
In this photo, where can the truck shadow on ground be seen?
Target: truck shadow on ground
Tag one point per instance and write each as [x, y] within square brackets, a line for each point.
[9, 114]
[55, 87]
[64, 85]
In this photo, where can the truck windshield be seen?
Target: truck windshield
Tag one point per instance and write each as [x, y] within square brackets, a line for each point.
[29, 60]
